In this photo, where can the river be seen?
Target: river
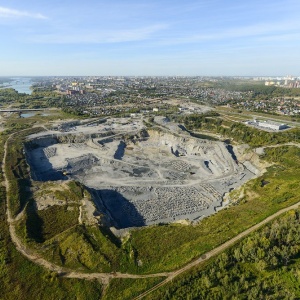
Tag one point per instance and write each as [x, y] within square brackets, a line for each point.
[20, 84]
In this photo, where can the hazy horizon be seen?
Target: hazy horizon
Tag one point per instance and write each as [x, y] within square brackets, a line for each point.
[163, 76]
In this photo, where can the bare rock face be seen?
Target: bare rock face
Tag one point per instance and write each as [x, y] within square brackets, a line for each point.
[250, 158]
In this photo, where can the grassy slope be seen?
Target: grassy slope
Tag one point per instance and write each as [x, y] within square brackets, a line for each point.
[264, 265]
[126, 289]
[83, 248]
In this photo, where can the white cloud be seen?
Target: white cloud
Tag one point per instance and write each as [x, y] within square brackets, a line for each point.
[99, 37]
[262, 31]
[13, 13]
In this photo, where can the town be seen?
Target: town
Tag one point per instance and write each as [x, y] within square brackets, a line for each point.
[101, 96]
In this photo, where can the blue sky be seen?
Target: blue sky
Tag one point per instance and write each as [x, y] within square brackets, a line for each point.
[158, 37]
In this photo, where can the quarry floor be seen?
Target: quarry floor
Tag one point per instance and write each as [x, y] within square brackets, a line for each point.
[140, 176]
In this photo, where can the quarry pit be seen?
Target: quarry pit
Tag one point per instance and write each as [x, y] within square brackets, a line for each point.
[139, 176]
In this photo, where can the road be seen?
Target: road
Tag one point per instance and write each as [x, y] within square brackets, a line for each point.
[105, 277]
[23, 109]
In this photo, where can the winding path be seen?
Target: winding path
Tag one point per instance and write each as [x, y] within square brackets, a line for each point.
[105, 277]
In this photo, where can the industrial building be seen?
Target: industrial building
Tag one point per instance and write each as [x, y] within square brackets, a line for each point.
[267, 125]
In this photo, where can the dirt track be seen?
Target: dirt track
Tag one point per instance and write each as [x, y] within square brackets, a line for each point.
[105, 277]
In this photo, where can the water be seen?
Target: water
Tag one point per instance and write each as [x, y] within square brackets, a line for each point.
[28, 115]
[20, 84]
[32, 114]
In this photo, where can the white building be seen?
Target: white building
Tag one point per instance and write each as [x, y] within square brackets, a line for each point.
[267, 124]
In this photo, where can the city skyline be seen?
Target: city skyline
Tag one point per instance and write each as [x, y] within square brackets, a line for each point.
[161, 38]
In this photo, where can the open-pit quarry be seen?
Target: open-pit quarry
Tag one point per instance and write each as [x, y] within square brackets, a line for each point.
[136, 175]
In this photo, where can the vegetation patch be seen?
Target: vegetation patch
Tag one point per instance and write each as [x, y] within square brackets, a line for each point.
[239, 131]
[17, 172]
[70, 192]
[57, 219]
[264, 265]
[123, 289]
[85, 248]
